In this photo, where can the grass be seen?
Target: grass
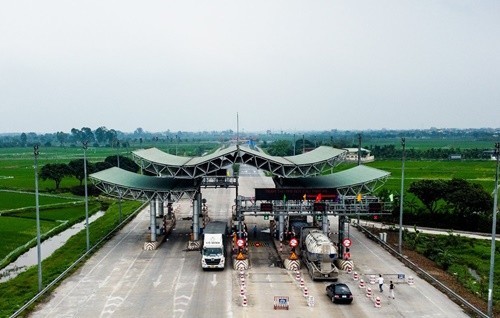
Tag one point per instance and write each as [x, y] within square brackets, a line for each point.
[481, 172]
[467, 259]
[16, 292]
[11, 200]
[18, 229]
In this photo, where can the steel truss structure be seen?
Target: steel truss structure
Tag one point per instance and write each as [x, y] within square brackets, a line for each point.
[349, 206]
[124, 184]
[176, 177]
[304, 165]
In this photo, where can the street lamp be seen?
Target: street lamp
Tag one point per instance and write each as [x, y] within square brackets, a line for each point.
[86, 192]
[493, 234]
[403, 143]
[119, 191]
[38, 247]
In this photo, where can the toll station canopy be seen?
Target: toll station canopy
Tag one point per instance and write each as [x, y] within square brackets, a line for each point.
[174, 176]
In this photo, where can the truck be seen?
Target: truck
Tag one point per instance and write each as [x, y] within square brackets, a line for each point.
[318, 253]
[213, 251]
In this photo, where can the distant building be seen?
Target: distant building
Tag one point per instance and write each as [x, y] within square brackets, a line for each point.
[455, 157]
[352, 155]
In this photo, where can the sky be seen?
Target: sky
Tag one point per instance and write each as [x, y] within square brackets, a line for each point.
[283, 65]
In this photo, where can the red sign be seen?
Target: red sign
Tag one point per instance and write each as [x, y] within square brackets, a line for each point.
[240, 242]
[293, 242]
[347, 242]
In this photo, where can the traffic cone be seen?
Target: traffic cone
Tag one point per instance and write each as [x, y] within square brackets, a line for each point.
[377, 302]
[355, 276]
[301, 283]
[361, 283]
[305, 292]
[244, 301]
[368, 292]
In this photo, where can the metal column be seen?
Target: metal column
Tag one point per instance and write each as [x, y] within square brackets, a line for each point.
[281, 221]
[152, 219]
[342, 221]
[325, 224]
[161, 210]
[196, 216]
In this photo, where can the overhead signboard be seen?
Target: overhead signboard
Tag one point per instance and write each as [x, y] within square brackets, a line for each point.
[319, 194]
[266, 207]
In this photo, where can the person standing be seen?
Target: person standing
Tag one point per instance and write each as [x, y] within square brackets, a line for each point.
[391, 288]
[380, 282]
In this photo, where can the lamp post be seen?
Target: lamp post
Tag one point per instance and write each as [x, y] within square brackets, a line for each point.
[86, 192]
[359, 149]
[403, 143]
[294, 144]
[493, 234]
[119, 191]
[38, 247]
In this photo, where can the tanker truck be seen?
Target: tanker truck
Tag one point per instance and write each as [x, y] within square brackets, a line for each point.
[318, 253]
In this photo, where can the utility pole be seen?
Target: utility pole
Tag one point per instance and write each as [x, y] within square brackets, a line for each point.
[403, 143]
[86, 192]
[359, 149]
[493, 234]
[38, 243]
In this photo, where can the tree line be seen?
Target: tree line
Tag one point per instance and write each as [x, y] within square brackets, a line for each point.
[452, 204]
[76, 168]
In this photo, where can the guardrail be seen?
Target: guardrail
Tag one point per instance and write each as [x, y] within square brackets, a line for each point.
[63, 274]
[428, 277]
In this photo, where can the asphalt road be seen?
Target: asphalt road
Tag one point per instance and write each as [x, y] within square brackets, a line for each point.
[122, 280]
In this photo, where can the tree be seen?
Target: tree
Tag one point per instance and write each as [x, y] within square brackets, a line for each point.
[77, 169]
[125, 163]
[61, 137]
[111, 136]
[100, 134]
[87, 135]
[76, 135]
[24, 139]
[280, 148]
[54, 171]
[467, 198]
[429, 192]
[101, 165]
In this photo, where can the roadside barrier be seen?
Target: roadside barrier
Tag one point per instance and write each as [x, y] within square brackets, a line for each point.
[372, 279]
[410, 280]
[377, 302]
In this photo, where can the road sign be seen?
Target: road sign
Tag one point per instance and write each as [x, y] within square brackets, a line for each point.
[347, 242]
[281, 302]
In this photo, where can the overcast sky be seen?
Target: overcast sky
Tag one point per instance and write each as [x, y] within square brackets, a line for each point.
[281, 65]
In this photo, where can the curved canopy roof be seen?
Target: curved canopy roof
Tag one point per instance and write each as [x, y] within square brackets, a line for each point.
[359, 179]
[303, 165]
[177, 176]
[125, 184]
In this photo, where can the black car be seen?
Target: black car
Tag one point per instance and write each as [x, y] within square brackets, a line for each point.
[339, 293]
